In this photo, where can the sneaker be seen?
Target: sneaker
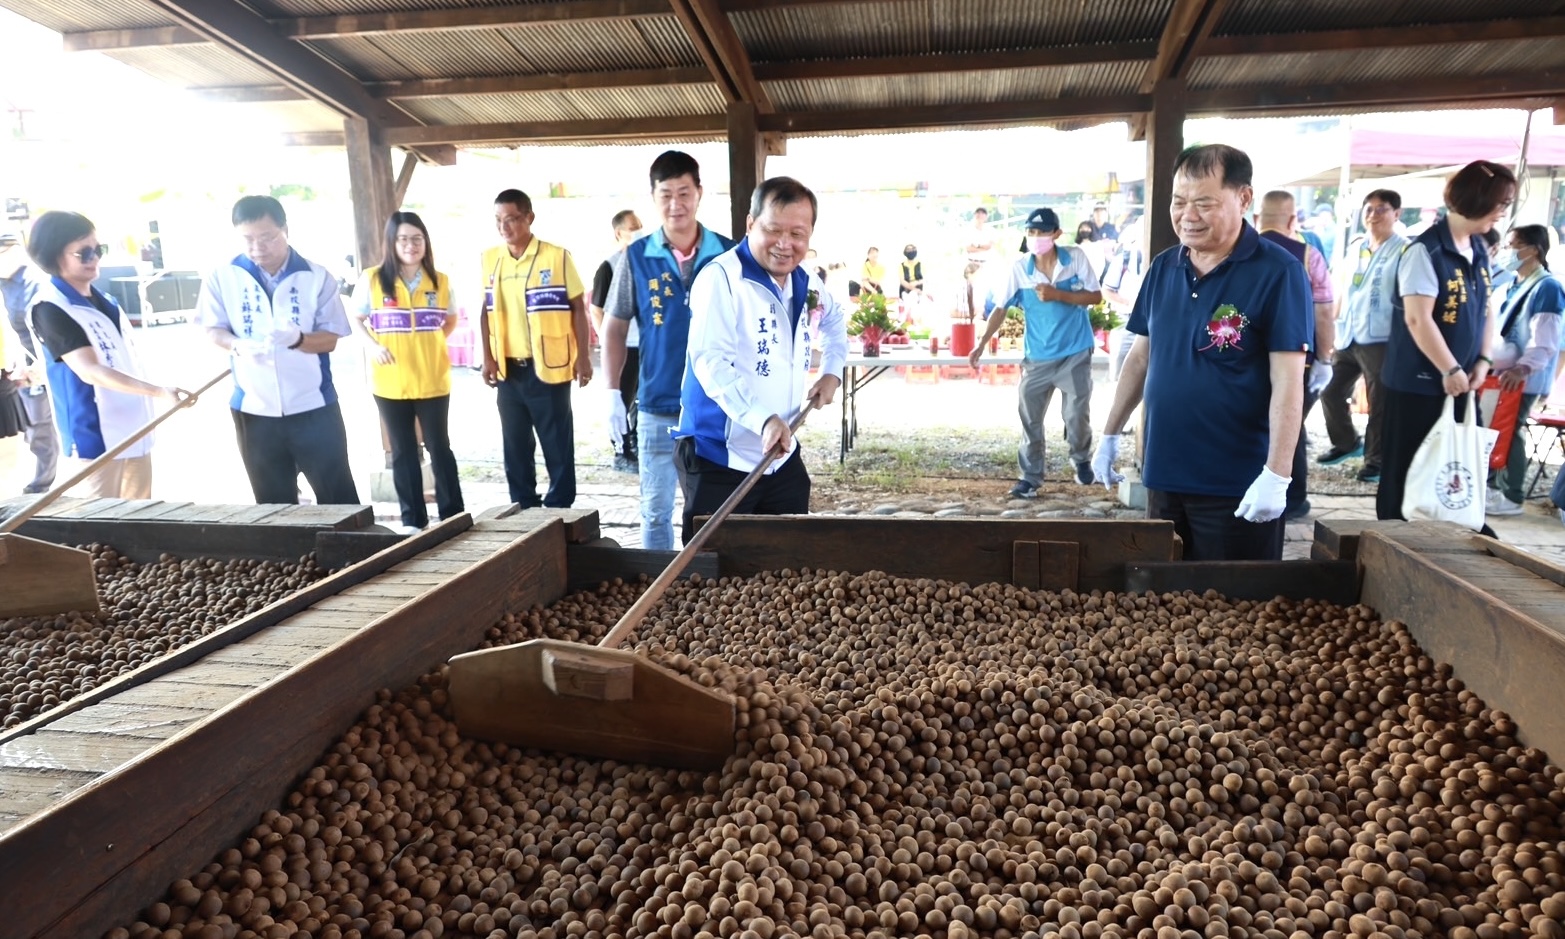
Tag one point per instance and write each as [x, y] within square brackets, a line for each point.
[1084, 474]
[1336, 454]
[1562, 516]
[1295, 512]
[1369, 474]
[1498, 504]
[1023, 490]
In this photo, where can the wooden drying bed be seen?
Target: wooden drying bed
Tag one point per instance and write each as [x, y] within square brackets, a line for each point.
[111, 846]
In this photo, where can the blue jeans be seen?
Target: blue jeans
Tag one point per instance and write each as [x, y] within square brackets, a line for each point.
[659, 479]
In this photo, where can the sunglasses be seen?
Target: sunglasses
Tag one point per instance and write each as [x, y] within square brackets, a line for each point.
[89, 255]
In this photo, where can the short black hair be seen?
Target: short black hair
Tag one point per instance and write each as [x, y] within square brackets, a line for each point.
[1213, 158]
[51, 233]
[515, 197]
[255, 208]
[780, 191]
[981, 209]
[1491, 238]
[1537, 238]
[1389, 196]
[621, 217]
[1479, 188]
[389, 262]
[672, 164]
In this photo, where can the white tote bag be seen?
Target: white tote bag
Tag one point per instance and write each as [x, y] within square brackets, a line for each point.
[1449, 474]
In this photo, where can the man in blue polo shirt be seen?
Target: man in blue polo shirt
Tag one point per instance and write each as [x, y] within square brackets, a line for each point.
[651, 285]
[1053, 284]
[1222, 326]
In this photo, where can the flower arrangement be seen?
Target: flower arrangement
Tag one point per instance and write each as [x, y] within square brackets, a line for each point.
[871, 317]
[1225, 328]
[1103, 317]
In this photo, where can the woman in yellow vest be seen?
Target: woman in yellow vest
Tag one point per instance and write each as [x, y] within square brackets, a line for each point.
[404, 310]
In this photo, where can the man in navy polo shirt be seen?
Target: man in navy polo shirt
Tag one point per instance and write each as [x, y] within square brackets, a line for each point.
[1222, 326]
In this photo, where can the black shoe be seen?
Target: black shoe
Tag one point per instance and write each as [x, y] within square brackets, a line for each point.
[1336, 454]
[1084, 474]
[1369, 474]
[1295, 512]
[1023, 490]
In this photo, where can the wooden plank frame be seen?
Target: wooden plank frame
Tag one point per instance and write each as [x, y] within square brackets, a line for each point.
[121, 840]
[1512, 659]
[964, 550]
[269, 534]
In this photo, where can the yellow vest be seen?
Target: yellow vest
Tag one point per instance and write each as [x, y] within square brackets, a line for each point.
[547, 309]
[413, 328]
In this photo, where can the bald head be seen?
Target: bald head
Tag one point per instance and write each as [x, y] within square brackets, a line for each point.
[1277, 210]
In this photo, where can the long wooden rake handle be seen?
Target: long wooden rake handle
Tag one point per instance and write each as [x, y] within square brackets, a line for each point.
[48, 498]
[638, 611]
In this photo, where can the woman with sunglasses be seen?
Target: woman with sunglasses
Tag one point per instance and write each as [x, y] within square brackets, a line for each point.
[94, 374]
[404, 310]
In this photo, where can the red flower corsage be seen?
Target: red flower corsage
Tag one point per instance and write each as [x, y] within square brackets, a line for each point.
[1226, 328]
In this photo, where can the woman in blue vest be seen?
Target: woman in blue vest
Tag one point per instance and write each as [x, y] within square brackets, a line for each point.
[1529, 350]
[94, 375]
[1440, 326]
[404, 310]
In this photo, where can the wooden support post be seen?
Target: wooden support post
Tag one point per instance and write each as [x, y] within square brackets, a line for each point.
[746, 162]
[1165, 139]
[371, 187]
[404, 177]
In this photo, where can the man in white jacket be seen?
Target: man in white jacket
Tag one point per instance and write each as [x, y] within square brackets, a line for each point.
[747, 368]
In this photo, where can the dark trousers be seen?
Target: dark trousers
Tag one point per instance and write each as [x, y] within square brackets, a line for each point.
[707, 485]
[535, 414]
[629, 382]
[1410, 417]
[432, 416]
[1357, 360]
[1299, 486]
[1211, 531]
[277, 449]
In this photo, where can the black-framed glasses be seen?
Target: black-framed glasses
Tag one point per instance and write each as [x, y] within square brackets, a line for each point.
[89, 255]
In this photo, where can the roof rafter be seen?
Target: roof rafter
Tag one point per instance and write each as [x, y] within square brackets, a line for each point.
[715, 41]
[1350, 40]
[1188, 25]
[700, 125]
[1295, 97]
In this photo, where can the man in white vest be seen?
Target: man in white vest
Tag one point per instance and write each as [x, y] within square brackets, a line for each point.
[279, 316]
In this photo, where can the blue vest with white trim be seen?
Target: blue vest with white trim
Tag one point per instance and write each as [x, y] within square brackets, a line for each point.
[93, 419]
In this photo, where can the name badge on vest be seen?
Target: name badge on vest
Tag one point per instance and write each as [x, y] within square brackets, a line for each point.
[545, 277]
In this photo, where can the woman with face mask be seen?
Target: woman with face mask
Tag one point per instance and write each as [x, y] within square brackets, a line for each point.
[912, 272]
[1529, 350]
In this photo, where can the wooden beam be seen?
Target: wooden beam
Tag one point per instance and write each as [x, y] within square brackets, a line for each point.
[725, 56]
[1388, 37]
[332, 27]
[315, 138]
[247, 94]
[399, 189]
[746, 162]
[954, 115]
[548, 81]
[439, 154]
[892, 65]
[244, 33]
[1303, 97]
[371, 187]
[1165, 139]
[1188, 25]
[701, 125]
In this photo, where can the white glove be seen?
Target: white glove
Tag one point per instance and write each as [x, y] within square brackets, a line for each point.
[287, 336]
[1103, 462]
[619, 422]
[1266, 498]
[1320, 377]
[252, 348]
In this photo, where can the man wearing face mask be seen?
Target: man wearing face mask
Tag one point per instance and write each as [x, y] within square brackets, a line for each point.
[1053, 285]
[912, 271]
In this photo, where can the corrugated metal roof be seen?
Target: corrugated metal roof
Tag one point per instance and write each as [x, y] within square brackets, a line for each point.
[195, 66]
[1246, 17]
[399, 56]
[332, 7]
[66, 15]
[596, 104]
[1030, 84]
[813, 32]
[1332, 68]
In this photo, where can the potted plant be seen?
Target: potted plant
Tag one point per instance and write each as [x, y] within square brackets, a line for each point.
[870, 322]
[1104, 320]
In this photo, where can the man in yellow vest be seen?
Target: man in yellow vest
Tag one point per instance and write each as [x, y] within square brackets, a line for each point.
[534, 330]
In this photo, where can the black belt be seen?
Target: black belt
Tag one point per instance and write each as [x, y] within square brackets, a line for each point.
[512, 361]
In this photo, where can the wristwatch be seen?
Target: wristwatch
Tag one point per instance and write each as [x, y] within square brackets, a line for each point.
[1453, 370]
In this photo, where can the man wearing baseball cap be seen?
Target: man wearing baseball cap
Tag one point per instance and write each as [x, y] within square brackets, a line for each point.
[16, 290]
[1053, 284]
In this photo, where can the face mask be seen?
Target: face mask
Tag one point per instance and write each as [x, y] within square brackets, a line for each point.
[910, 255]
[1510, 260]
[1040, 244]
